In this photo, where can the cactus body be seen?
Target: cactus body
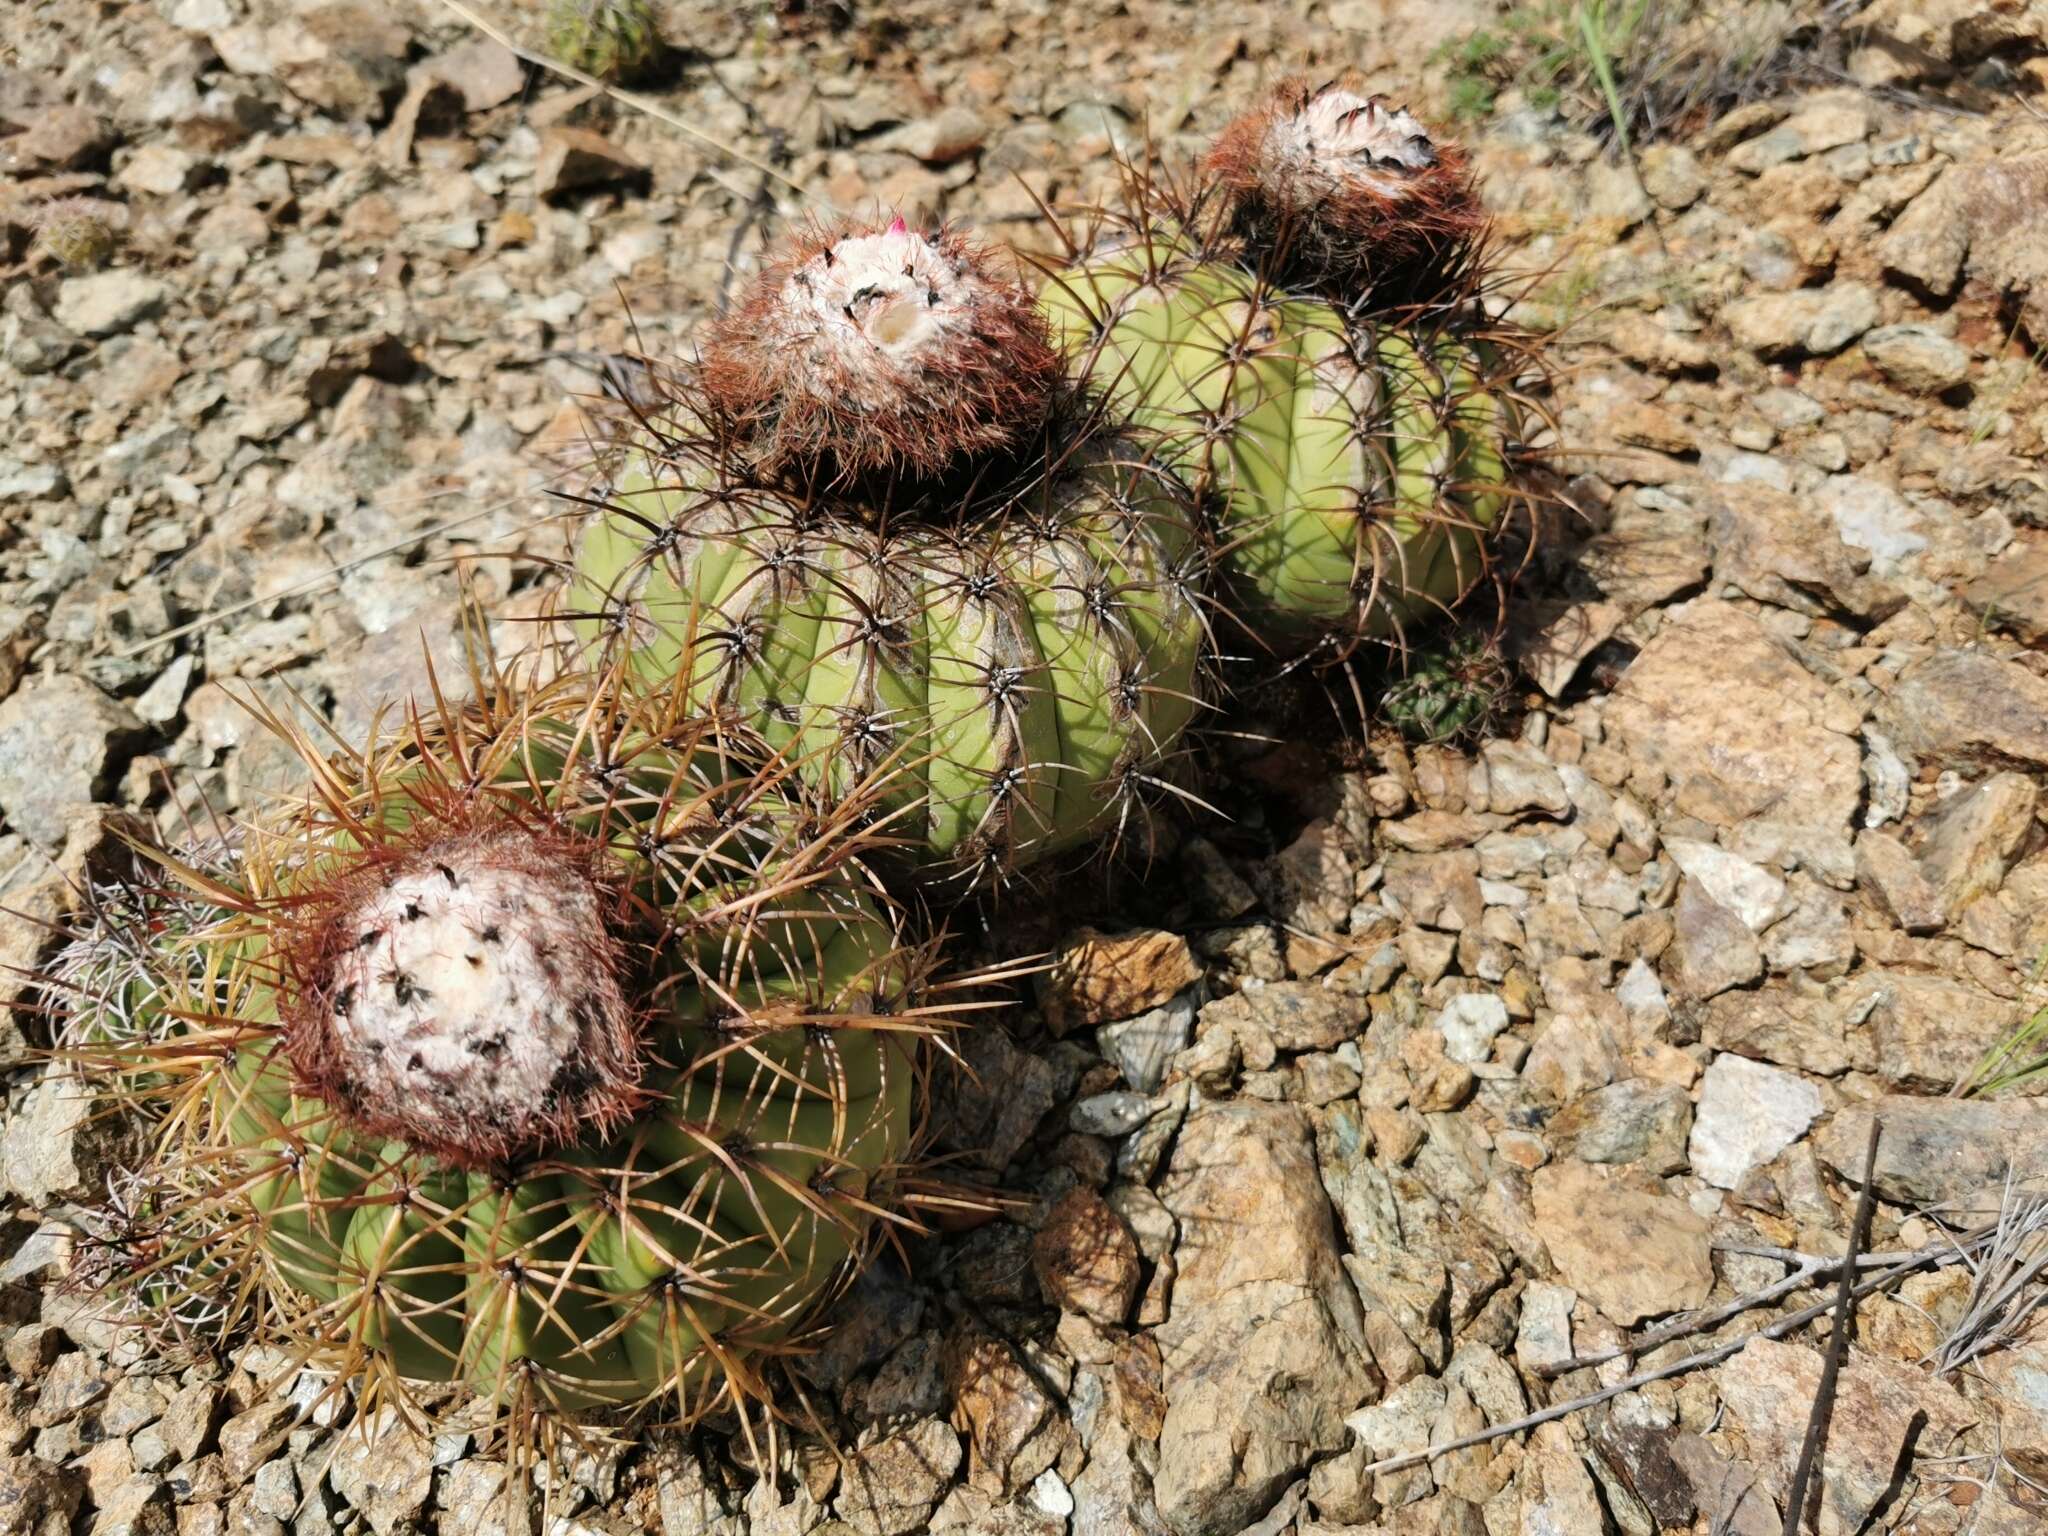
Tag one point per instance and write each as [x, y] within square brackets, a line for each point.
[611, 39]
[557, 1051]
[1018, 672]
[1448, 691]
[78, 232]
[1299, 322]
[880, 527]
[1358, 470]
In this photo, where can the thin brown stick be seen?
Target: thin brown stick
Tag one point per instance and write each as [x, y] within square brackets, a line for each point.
[1811, 1267]
[1791, 1322]
[1838, 1348]
[633, 99]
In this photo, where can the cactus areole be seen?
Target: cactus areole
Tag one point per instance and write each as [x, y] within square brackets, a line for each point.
[467, 996]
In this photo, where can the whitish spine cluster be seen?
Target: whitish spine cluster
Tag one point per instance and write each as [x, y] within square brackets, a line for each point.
[862, 350]
[470, 1000]
[1338, 188]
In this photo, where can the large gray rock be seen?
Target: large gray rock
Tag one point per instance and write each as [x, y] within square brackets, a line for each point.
[1968, 707]
[1916, 358]
[1973, 839]
[385, 1470]
[1927, 244]
[1934, 1150]
[1748, 1114]
[1633, 1121]
[1621, 1243]
[2005, 204]
[1881, 1407]
[1788, 551]
[890, 1488]
[61, 743]
[1736, 724]
[1265, 1351]
[1929, 1031]
[1806, 321]
[52, 1148]
[108, 303]
[1792, 1025]
[1711, 948]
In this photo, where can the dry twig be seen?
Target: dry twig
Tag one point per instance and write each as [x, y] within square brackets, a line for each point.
[2009, 1282]
[1838, 1348]
[635, 100]
[1897, 1267]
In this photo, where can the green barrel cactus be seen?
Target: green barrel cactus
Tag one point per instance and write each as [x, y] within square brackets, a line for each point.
[1448, 691]
[1006, 687]
[78, 233]
[1357, 450]
[615, 40]
[556, 1048]
[877, 527]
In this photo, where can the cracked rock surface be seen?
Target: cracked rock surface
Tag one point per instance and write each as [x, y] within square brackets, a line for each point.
[1349, 1122]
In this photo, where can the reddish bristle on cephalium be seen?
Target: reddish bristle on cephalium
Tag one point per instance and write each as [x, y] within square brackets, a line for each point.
[1348, 191]
[465, 990]
[868, 348]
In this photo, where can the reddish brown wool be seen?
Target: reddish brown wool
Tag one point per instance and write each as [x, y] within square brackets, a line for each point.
[861, 350]
[1346, 187]
[466, 995]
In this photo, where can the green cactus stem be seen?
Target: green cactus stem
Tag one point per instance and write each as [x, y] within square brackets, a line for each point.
[613, 40]
[878, 528]
[1299, 325]
[555, 1047]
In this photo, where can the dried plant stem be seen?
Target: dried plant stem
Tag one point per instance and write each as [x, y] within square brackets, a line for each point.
[1811, 1267]
[2007, 1285]
[633, 99]
[1838, 1348]
[1792, 1322]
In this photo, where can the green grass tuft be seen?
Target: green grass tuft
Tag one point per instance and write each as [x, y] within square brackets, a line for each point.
[1640, 69]
[2021, 1058]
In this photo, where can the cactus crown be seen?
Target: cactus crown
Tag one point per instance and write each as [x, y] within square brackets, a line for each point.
[466, 992]
[1346, 188]
[863, 350]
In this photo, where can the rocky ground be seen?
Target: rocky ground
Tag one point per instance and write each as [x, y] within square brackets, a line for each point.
[1411, 1102]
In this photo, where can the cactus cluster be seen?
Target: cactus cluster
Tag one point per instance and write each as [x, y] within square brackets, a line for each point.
[566, 1046]
[556, 1047]
[907, 521]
